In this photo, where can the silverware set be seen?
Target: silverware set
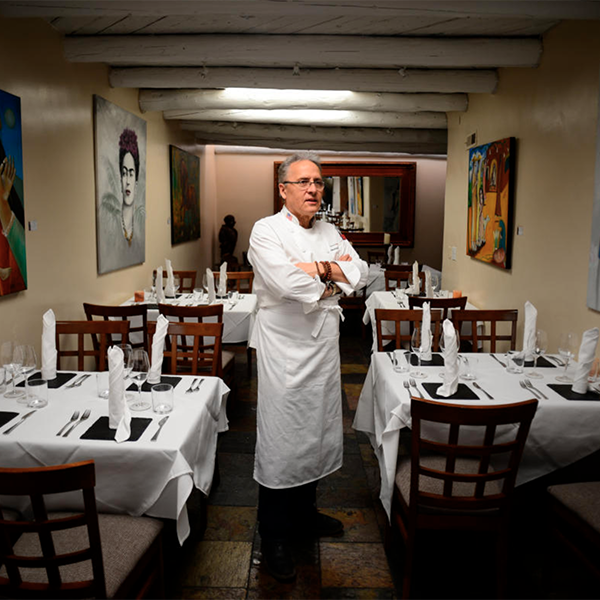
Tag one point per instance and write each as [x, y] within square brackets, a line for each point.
[84, 416]
[197, 383]
[78, 381]
[73, 418]
[527, 385]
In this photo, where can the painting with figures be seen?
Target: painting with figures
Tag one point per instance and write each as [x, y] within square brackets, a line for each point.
[185, 196]
[120, 145]
[13, 259]
[490, 202]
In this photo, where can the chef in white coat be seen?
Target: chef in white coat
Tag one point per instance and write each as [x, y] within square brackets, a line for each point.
[300, 265]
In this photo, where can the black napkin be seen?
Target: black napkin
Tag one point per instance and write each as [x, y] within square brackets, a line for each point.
[5, 417]
[564, 389]
[463, 392]
[60, 379]
[542, 362]
[147, 387]
[437, 360]
[100, 430]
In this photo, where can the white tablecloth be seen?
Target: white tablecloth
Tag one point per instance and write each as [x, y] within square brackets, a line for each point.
[135, 478]
[238, 319]
[562, 432]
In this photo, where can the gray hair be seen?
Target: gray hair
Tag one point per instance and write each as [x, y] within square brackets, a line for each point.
[297, 157]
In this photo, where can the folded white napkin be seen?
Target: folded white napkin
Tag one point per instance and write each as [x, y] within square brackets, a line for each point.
[170, 285]
[49, 345]
[390, 254]
[529, 330]
[160, 293]
[397, 255]
[428, 285]
[587, 353]
[158, 348]
[223, 280]
[210, 282]
[450, 354]
[426, 332]
[119, 417]
[415, 286]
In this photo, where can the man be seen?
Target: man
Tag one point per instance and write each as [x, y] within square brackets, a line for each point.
[299, 264]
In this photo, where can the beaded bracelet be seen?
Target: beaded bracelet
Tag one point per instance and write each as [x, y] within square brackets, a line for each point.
[323, 276]
[327, 266]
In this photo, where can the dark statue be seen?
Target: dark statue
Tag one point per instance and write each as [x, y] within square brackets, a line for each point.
[228, 236]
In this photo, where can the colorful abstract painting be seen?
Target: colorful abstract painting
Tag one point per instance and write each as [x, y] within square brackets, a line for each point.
[13, 259]
[120, 145]
[185, 196]
[490, 202]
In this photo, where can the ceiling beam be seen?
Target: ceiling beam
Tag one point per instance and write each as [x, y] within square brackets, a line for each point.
[531, 9]
[320, 51]
[468, 81]
[327, 118]
[151, 100]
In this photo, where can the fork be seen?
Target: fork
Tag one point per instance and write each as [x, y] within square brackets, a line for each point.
[413, 383]
[200, 382]
[79, 381]
[407, 386]
[191, 388]
[522, 384]
[83, 417]
[74, 418]
[532, 387]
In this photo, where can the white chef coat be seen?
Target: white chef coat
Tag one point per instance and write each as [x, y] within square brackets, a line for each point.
[296, 336]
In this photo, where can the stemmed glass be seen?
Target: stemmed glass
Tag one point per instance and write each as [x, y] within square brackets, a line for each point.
[567, 347]
[416, 343]
[540, 348]
[126, 349]
[12, 358]
[139, 367]
[28, 366]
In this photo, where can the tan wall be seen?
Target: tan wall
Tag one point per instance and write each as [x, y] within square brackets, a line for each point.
[245, 188]
[552, 111]
[58, 157]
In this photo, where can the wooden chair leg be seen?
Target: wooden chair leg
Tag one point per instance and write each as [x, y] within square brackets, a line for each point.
[501, 563]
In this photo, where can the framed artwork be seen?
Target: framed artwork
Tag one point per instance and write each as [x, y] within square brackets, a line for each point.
[490, 202]
[185, 196]
[13, 259]
[120, 147]
[593, 290]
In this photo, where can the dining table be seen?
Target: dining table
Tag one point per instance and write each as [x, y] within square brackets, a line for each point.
[148, 474]
[565, 427]
[238, 315]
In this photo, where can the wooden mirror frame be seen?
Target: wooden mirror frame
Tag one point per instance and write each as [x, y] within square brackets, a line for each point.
[407, 171]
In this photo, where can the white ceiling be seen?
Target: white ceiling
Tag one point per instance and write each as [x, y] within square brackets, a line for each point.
[407, 62]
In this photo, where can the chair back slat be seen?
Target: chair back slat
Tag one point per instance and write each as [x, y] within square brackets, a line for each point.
[239, 281]
[481, 321]
[409, 317]
[136, 314]
[448, 305]
[394, 278]
[187, 279]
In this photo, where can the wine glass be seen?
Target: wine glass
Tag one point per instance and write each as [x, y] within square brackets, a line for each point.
[567, 347]
[416, 344]
[540, 348]
[139, 367]
[28, 366]
[12, 358]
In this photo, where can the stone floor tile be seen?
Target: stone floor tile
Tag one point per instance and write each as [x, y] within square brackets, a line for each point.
[354, 368]
[353, 391]
[230, 523]
[357, 565]
[360, 524]
[212, 593]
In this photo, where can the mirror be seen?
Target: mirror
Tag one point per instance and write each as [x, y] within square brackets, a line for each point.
[367, 200]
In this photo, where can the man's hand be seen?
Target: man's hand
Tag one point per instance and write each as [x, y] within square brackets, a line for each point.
[345, 257]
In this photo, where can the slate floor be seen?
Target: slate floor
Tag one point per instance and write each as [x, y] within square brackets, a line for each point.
[221, 558]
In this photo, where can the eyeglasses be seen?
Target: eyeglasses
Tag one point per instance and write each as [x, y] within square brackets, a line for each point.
[304, 184]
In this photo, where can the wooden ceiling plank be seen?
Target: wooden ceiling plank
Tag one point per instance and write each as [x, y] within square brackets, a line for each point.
[151, 100]
[305, 51]
[449, 81]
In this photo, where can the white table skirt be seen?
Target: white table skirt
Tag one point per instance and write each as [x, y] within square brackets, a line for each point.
[135, 478]
[238, 320]
[562, 432]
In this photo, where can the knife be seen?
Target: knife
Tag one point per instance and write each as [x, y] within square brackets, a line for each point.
[160, 426]
[496, 358]
[25, 416]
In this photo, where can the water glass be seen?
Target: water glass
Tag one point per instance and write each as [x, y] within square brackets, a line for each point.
[469, 366]
[514, 362]
[102, 384]
[37, 393]
[162, 398]
[401, 364]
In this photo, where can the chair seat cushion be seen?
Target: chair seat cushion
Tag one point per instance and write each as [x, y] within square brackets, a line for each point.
[582, 498]
[227, 358]
[435, 486]
[125, 540]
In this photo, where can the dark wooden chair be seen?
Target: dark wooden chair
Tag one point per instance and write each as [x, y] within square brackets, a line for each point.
[355, 303]
[394, 278]
[574, 523]
[187, 280]
[450, 483]
[485, 326]
[376, 256]
[101, 331]
[100, 556]
[201, 314]
[136, 314]
[398, 268]
[399, 316]
[202, 357]
[240, 281]
[446, 304]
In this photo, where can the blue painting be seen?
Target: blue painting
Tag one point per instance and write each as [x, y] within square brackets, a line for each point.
[13, 259]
